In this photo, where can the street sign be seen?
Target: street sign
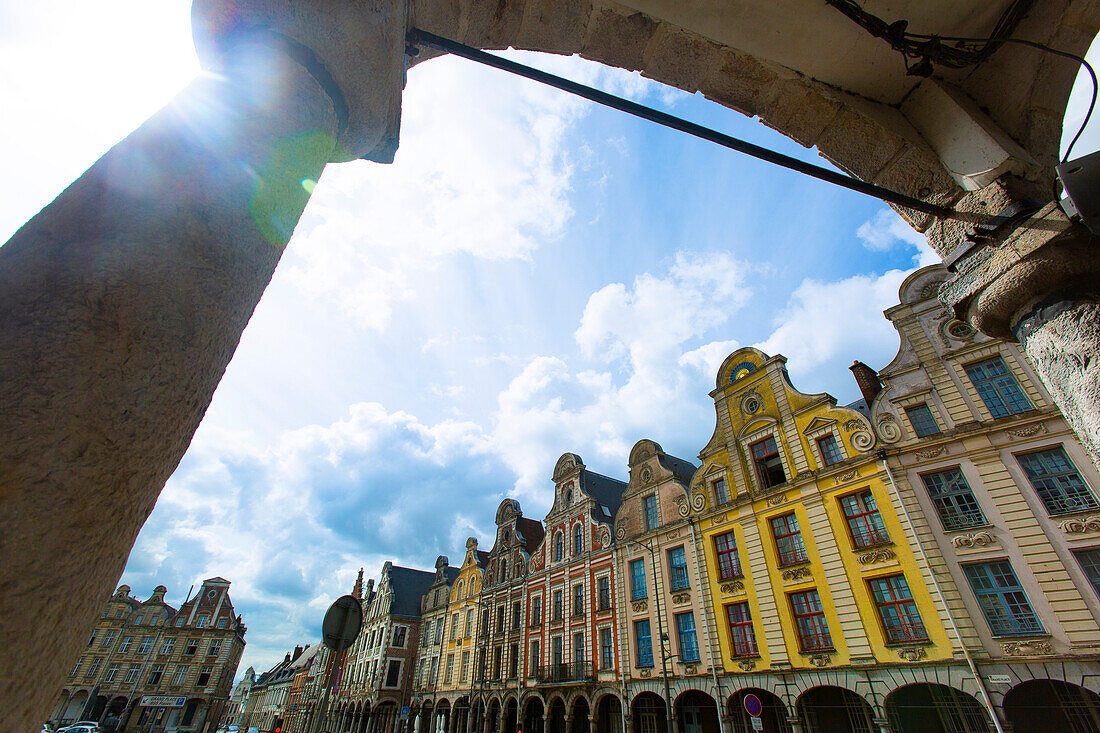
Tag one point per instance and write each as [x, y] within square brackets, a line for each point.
[753, 706]
[162, 701]
[999, 679]
[405, 712]
[342, 624]
[757, 723]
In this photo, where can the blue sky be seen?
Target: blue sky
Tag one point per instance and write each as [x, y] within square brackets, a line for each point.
[533, 275]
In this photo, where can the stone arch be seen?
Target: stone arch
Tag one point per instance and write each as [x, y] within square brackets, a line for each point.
[1046, 704]
[873, 142]
[510, 713]
[928, 707]
[493, 714]
[774, 716]
[425, 716]
[532, 709]
[76, 705]
[696, 710]
[579, 712]
[835, 709]
[441, 722]
[61, 705]
[608, 709]
[556, 711]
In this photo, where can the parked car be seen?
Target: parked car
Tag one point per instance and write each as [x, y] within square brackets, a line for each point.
[82, 727]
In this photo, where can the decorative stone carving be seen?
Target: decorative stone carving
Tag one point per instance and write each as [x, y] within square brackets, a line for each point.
[797, 573]
[912, 653]
[684, 597]
[889, 430]
[879, 554]
[820, 660]
[747, 665]
[958, 330]
[776, 499]
[691, 669]
[1026, 648]
[930, 452]
[646, 475]
[846, 476]
[853, 424]
[751, 403]
[639, 606]
[1081, 525]
[735, 587]
[644, 673]
[699, 501]
[1025, 430]
[620, 533]
[862, 440]
[931, 290]
[975, 540]
[605, 537]
[674, 534]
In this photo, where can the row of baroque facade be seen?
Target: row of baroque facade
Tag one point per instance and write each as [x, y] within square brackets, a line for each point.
[926, 559]
[148, 666]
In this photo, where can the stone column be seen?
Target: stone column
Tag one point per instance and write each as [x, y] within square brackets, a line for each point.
[592, 721]
[1039, 285]
[124, 299]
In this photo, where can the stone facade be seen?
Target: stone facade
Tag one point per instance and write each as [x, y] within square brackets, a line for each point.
[147, 664]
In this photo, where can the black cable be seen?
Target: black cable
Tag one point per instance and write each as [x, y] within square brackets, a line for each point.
[423, 38]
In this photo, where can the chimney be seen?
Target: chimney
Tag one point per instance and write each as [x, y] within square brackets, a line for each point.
[297, 653]
[867, 379]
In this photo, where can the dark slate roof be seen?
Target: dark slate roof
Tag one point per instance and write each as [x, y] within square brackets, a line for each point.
[607, 492]
[482, 558]
[860, 406]
[451, 574]
[532, 531]
[408, 587]
[681, 469]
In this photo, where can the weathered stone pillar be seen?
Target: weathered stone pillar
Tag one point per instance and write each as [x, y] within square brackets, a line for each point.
[1041, 286]
[121, 302]
[592, 721]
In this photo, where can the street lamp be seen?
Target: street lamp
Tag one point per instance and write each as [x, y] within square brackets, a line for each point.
[661, 635]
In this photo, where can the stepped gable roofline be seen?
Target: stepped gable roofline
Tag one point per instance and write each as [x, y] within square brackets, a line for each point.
[408, 586]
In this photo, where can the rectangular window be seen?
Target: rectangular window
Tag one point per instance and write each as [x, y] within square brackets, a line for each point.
[125, 644]
[922, 420]
[91, 639]
[498, 654]
[94, 667]
[109, 638]
[167, 646]
[742, 637]
[469, 622]
[578, 600]
[439, 624]
[559, 605]
[864, 520]
[900, 618]
[454, 627]
[1056, 481]
[578, 649]
[178, 678]
[215, 647]
[222, 622]
[953, 499]
[1090, 563]
[606, 649]
[557, 653]
[729, 564]
[643, 643]
[132, 673]
[112, 673]
[809, 617]
[685, 629]
[146, 645]
[517, 615]
[603, 590]
[76, 667]
[721, 493]
[202, 621]
[535, 649]
[678, 570]
[829, 449]
[192, 647]
[788, 540]
[449, 674]
[649, 503]
[204, 676]
[399, 634]
[769, 466]
[513, 668]
[997, 387]
[500, 619]
[637, 580]
[1002, 598]
[536, 611]
[155, 675]
[393, 673]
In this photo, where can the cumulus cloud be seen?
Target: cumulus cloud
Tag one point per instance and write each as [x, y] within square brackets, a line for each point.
[289, 524]
[888, 231]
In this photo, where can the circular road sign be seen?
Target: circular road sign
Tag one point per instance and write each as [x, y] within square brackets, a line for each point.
[342, 624]
[753, 706]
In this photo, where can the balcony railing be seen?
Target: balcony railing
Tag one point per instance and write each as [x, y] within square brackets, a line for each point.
[569, 672]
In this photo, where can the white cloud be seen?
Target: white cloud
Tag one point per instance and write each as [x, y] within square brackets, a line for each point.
[886, 231]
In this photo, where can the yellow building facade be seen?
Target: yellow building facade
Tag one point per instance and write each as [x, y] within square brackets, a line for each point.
[814, 586]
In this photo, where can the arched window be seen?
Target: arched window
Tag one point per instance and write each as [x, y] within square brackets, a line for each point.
[578, 540]
[458, 593]
[559, 547]
[503, 570]
[568, 497]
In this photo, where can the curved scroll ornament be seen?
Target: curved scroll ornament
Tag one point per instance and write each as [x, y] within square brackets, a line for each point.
[930, 452]
[605, 537]
[820, 660]
[620, 533]
[882, 554]
[699, 502]
[683, 509]
[1026, 430]
[735, 587]
[975, 540]
[776, 499]
[912, 653]
[862, 440]
[889, 430]
[853, 424]
[679, 598]
[797, 573]
[644, 673]
[1081, 525]
[639, 606]
[747, 665]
